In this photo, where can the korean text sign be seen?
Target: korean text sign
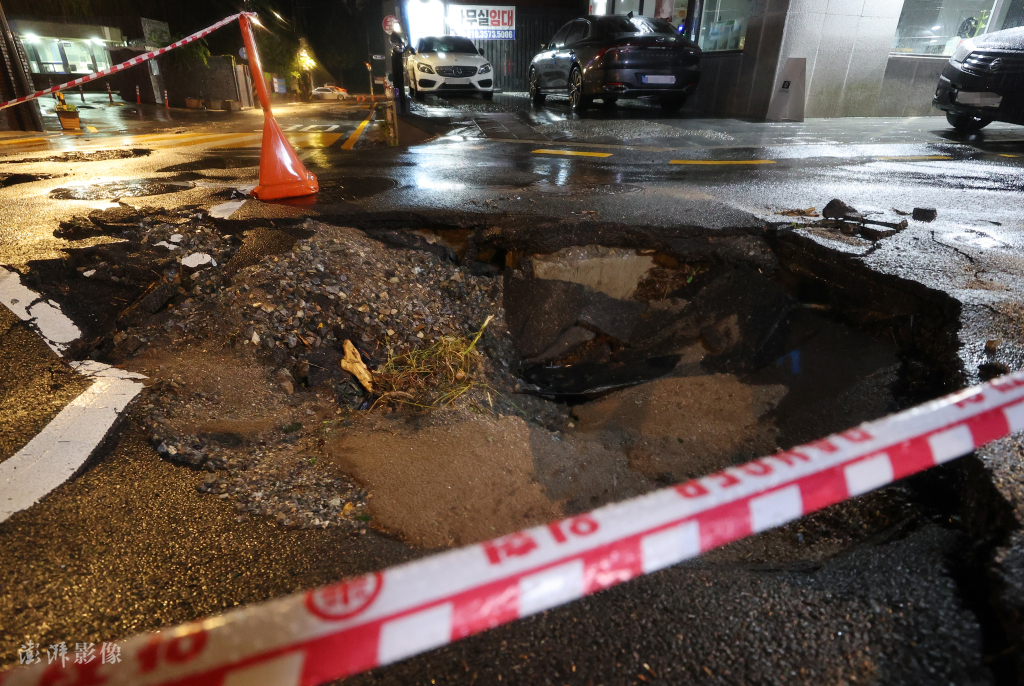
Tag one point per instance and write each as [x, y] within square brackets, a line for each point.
[483, 22]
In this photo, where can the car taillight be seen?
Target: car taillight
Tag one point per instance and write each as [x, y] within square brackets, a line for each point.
[613, 54]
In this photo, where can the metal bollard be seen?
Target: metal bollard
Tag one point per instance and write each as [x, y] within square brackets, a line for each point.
[138, 96]
[110, 94]
[81, 91]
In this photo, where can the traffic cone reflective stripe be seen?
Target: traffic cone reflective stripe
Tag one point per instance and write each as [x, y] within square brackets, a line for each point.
[282, 174]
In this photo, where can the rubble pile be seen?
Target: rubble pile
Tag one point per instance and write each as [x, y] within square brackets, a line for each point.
[287, 315]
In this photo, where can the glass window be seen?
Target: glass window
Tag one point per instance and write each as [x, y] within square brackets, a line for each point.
[447, 44]
[723, 26]
[580, 29]
[936, 27]
[79, 56]
[618, 25]
[559, 39]
[44, 55]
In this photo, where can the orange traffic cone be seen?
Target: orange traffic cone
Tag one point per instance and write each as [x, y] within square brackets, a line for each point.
[282, 174]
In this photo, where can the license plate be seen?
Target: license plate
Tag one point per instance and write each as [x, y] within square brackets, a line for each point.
[658, 79]
[979, 99]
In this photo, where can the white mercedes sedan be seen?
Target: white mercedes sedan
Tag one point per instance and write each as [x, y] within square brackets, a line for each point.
[449, 65]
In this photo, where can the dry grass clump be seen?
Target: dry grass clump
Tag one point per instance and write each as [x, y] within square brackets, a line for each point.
[434, 376]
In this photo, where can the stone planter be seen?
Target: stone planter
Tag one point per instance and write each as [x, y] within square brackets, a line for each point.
[69, 121]
[214, 104]
[193, 103]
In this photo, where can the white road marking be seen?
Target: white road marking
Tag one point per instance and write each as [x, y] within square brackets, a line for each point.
[55, 328]
[225, 210]
[60, 450]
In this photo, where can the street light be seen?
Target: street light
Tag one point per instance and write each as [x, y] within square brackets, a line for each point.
[307, 65]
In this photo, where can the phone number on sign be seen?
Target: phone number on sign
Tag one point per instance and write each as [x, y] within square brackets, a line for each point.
[491, 34]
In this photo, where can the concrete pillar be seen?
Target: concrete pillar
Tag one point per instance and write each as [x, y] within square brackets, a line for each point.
[766, 31]
[846, 44]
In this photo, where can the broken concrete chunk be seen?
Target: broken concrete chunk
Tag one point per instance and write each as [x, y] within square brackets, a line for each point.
[925, 214]
[539, 311]
[990, 370]
[177, 238]
[285, 381]
[837, 209]
[873, 234]
[992, 346]
[76, 228]
[612, 271]
[617, 318]
[353, 364]
[198, 259]
[150, 302]
[571, 338]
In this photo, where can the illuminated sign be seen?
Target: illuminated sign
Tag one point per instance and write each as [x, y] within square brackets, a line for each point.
[482, 22]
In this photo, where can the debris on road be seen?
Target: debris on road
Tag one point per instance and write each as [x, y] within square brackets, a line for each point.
[837, 209]
[925, 214]
[354, 365]
[809, 212]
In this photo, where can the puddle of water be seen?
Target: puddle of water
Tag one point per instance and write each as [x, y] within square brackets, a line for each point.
[349, 190]
[14, 179]
[127, 188]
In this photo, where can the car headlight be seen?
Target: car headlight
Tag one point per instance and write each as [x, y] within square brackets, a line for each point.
[425, 68]
[486, 69]
[963, 51]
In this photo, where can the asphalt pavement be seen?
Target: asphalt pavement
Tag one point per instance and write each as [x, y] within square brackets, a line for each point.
[879, 590]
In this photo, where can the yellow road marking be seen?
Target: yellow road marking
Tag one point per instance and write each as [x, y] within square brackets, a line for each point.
[917, 157]
[351, 142]
[717, 162]
[575, 153]
[23, 141]
[1003, 154]
[312, 140]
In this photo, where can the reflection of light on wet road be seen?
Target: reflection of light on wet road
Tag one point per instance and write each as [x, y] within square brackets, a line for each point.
[429, 184]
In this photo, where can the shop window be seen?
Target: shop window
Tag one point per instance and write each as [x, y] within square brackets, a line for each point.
[723, 25]
[44, 55]
[936, 27]
[79, 56]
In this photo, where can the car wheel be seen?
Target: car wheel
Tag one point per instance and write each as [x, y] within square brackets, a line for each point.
[535, 93]
[672, 105]
[965, 123]
[579, 101]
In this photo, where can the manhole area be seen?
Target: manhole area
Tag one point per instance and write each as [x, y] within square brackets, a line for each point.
[351, 190]
[127, 188]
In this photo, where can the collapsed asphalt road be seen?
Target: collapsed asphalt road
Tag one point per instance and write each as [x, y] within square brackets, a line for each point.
[890, 587]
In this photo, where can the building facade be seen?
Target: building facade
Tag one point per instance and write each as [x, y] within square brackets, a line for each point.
[863, 57]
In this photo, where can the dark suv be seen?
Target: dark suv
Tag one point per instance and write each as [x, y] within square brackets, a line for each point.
[984, 81]
[613, 56]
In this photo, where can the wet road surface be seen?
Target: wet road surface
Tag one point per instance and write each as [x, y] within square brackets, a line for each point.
[740, 615]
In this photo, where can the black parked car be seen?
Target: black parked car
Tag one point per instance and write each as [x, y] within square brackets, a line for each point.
[984, 81]
[614, 56]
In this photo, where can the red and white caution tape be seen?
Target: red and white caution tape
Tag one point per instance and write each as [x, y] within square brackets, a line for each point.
[383, 617]
[124, 65]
